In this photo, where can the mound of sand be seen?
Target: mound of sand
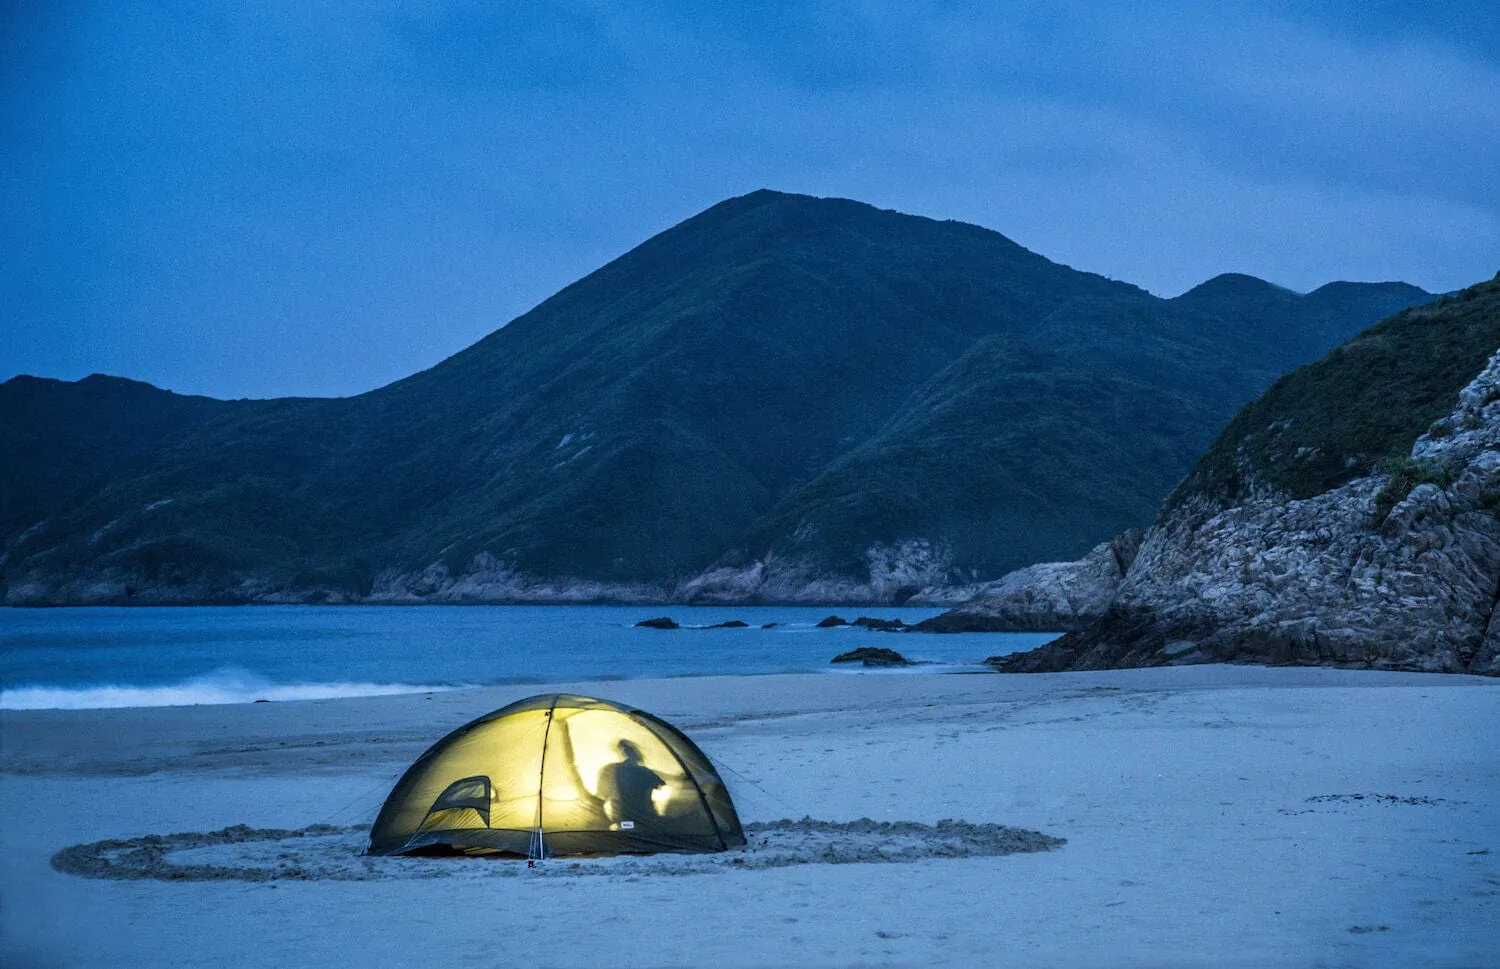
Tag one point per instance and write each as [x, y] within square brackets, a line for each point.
[323, 852]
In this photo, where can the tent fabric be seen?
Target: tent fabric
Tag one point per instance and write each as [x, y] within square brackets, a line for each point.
[559, 774]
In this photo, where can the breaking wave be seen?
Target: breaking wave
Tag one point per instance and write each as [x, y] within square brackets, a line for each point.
[221, 686]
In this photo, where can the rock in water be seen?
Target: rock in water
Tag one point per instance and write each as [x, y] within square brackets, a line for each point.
[880, 625]
[832, 621]
[731, 624]
[1284, 548]
[873, 656]
[660, 622]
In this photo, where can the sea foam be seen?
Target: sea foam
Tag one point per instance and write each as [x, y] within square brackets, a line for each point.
[221, 686]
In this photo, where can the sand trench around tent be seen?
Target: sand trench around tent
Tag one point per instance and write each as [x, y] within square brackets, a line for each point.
[323, 852]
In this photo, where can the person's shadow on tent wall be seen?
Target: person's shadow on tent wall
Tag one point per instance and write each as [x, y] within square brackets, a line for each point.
[624, 790]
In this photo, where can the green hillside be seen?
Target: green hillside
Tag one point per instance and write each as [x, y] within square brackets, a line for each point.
[1036, 448]
[1336, 419]
[673, 405]
[60, 442]
[1012, 455]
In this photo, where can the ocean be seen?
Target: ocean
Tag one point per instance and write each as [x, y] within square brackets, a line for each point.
[118, 657]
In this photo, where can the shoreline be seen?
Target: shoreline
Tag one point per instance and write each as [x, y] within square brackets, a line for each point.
[341, 689]
[691, 702]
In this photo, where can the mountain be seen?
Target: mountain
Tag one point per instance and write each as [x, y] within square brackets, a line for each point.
[1037, 445]
[1350, 516]
[668, 419]
[60, 442]
[1006, 457]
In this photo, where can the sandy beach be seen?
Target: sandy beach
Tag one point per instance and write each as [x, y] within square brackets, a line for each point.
[1226, 816]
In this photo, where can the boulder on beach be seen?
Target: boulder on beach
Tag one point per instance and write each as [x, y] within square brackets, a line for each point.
[731, 624]
[660, 622]
[881, 625]
[832, 621]
[873, 656]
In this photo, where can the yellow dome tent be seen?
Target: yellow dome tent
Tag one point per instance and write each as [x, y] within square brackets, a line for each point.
[559, 774]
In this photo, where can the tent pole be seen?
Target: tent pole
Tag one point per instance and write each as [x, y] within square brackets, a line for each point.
[541, 775]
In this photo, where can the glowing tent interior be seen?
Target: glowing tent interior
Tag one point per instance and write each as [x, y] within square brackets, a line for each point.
[559, 774]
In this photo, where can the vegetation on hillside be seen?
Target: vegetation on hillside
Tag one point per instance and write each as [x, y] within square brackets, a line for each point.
[771, 352]
[1365, 402]
[60, 442]
[1037, 447]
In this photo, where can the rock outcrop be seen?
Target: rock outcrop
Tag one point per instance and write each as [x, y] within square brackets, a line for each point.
[872, 656]
[879, 625]
[916, 571]
[1393, 570]
[1049, 597]
[488, 579]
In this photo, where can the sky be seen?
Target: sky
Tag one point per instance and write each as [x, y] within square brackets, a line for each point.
[317, 197]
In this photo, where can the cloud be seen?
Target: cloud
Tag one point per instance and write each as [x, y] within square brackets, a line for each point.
[321, 196]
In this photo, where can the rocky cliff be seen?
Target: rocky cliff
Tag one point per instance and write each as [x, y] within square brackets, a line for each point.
[1048, 597]
[1396, 566]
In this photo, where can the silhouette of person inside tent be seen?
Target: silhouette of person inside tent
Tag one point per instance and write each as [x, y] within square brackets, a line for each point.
[624, 787]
